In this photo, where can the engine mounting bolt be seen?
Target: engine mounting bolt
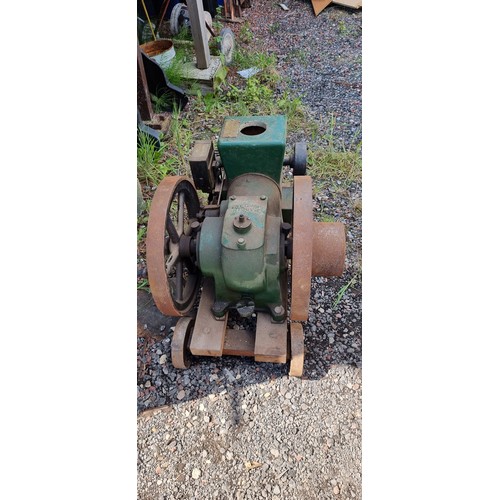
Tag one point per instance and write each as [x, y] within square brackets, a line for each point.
[232, 197]
[241, 242]
[263, 197]
[279, 310]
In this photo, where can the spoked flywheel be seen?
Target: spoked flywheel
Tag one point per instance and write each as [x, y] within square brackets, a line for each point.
[170, 248]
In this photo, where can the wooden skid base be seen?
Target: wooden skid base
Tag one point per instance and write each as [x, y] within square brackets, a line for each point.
[270, 340]
[208, 333]
[239, 343]
[270, 343]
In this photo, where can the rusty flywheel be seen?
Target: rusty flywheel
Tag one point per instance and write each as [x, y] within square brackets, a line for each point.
[318, 248]
[173, 277]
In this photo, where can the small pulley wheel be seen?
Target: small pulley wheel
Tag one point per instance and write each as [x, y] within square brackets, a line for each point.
[296, 350]
[226, 45]
[180, 341]
[173, 276]
[302, 237]
[299, 163]
[179, 17]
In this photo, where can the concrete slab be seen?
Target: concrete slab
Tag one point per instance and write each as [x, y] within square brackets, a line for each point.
[209, 78]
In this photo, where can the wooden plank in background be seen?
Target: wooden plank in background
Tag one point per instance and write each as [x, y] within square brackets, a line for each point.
[320, 5]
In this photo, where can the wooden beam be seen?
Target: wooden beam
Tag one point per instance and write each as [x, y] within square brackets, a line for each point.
[270, 340]
[239, 343]
[199, 32]
[208, 334]
[320, 5]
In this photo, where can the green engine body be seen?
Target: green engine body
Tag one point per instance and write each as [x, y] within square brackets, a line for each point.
[242, 247]
[253, 144]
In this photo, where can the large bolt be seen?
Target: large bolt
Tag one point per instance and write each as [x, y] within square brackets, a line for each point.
[241, 242]
[279, 310]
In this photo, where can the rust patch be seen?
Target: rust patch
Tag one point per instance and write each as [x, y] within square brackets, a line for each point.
[328, 249]
[231, 129]
[302, 233]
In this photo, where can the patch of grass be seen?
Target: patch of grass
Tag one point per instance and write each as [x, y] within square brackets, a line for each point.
[330, 162]
[274, 28]
[246, 34]
[162, 103]
[141, 233]
[299, 55]
[297, 118]
[180, 138]
[246, 58]
[326, 218]
[342, 27]
[174, 71]
[151, 165]
[348, 29]
[184, 34]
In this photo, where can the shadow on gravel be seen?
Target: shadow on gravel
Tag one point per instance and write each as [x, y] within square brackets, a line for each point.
[160, 384]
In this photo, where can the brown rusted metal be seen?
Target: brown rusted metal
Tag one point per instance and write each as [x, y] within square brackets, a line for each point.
[143, 99]
[156, 47]
[302, 233]
[296, 350]
[328, 249]
[163, 249]
[180, 339]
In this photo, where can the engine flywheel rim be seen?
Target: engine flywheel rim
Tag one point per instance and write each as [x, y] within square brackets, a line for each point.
[173, 279]
[302, 234]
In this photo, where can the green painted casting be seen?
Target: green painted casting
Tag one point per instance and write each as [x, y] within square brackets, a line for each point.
[253, 144]
[249, 269]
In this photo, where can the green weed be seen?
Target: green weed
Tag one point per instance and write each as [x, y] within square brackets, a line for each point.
[274, 28]
[184, 34]
[174, 72]
[343, 290]
[151, 167]
[299, 55]
[217, 20]
[141, 232]
[246, 34]
[180, 138]
[143, 284]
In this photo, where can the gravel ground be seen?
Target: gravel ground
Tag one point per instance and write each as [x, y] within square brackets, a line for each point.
[231, 428]
[320, 58]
